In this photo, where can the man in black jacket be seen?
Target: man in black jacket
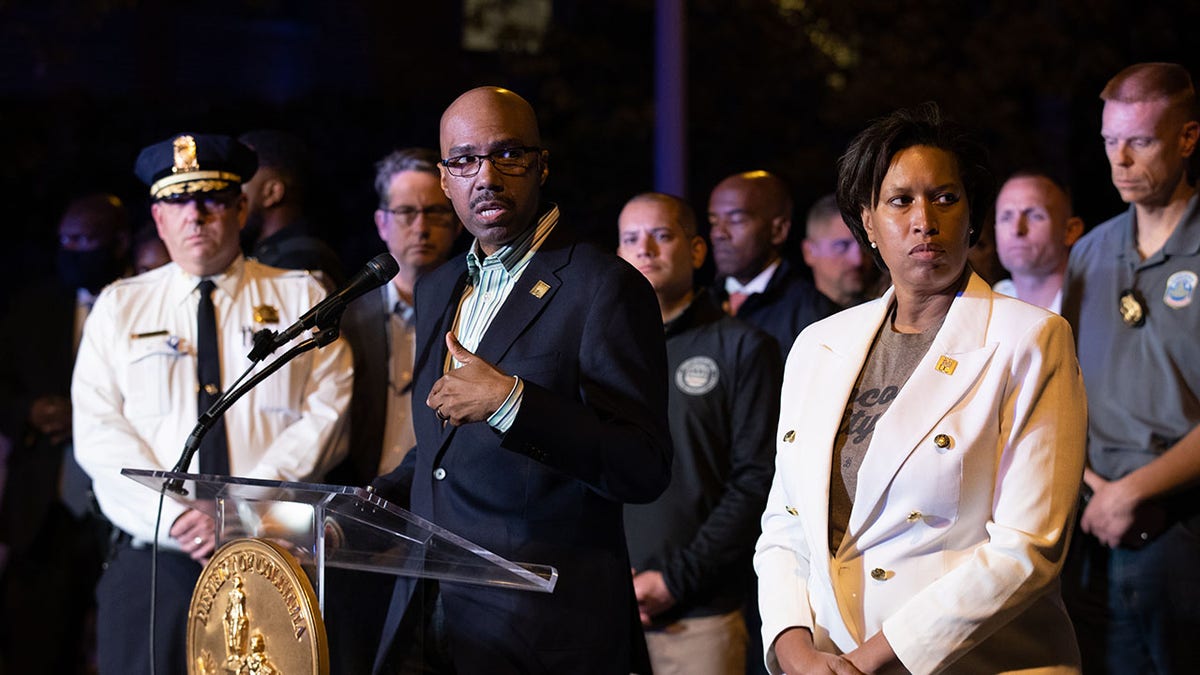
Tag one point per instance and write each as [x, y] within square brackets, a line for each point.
[751, 215]
[690, 548]
[539, 406]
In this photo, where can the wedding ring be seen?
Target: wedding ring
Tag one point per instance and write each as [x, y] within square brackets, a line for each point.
[198, 540]
[438, 411]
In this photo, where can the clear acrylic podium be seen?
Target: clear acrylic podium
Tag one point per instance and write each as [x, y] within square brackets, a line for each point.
[337, 526]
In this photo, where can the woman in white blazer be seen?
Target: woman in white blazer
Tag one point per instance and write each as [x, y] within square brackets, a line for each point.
[930, 443]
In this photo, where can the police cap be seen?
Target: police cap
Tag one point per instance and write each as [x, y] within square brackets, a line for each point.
[195, 163]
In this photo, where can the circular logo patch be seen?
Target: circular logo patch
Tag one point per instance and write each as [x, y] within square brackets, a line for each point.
[1181, 286]
[697, 375]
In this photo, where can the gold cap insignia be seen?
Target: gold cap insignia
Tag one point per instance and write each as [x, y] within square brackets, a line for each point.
[539, 289]
[185, 155]
[946, 365]
[266, 314]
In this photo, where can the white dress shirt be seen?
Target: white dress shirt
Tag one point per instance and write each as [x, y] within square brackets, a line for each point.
[1007, 287]
[756, 285]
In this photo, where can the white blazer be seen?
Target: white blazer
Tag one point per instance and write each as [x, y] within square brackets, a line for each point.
[964, 501]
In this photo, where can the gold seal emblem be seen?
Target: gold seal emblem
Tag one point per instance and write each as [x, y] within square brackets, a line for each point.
[185, 155]
[254, 612]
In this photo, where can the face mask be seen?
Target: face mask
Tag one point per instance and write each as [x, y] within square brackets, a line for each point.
[88, 269]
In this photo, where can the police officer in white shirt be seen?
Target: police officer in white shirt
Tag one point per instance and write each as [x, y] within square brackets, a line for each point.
[136, 387]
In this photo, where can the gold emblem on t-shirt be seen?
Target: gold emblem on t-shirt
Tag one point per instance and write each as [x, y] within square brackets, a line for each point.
[254, 612]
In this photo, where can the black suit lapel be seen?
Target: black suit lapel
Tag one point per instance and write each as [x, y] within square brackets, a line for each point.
[531, 294]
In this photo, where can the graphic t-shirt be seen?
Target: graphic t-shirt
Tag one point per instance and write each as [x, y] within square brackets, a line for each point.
[891, 361]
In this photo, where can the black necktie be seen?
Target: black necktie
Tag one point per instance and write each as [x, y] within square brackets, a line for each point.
[214, 449]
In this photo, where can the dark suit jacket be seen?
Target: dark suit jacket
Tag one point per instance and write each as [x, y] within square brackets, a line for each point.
[787, 305]
[364, 326]
[591, 435]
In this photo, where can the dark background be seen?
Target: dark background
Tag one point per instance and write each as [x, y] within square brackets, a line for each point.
[774, 84]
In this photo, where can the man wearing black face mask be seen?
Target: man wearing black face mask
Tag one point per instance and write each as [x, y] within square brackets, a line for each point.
[93, 239]
[56, 541]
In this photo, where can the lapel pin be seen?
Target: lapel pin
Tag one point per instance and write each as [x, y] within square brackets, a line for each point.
[946, 365]
[790, 436]
[539, 289]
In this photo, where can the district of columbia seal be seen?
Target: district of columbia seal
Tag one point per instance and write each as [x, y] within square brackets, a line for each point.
[254, 612]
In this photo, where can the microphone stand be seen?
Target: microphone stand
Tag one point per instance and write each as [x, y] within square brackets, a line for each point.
[209, 417]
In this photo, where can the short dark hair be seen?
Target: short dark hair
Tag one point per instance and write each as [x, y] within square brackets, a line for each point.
[684, 214]
[407, 159]
[868, 158]
[285, 153]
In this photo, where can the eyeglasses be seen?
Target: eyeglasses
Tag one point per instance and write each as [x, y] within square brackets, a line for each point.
[508, 161]
[407, 215]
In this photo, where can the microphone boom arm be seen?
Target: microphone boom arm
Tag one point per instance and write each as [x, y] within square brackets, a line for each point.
[209, 417]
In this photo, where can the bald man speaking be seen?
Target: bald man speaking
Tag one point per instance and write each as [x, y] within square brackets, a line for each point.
[539, 407]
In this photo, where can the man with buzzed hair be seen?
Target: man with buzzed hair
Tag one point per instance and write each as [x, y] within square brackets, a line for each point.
[539, 405]
[840, 268]
[691, 547]
[751, 215]
[1034, 233]
[1130, 295]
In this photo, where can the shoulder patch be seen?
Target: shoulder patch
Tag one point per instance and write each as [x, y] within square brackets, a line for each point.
[1181, 288]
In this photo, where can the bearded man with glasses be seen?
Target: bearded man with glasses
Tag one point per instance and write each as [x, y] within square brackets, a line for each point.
[539, 410]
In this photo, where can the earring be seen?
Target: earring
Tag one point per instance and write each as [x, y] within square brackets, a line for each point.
[874, 245]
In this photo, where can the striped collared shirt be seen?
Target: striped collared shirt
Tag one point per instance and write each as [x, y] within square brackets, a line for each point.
[490, 280]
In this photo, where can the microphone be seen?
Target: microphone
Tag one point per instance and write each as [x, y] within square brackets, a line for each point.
[377, 272]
